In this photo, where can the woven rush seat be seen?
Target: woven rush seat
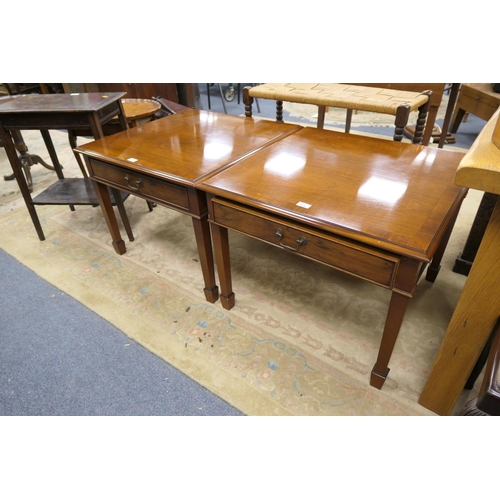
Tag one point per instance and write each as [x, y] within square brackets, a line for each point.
[351, 97]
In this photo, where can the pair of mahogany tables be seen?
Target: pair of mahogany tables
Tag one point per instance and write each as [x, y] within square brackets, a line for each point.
[379, 210]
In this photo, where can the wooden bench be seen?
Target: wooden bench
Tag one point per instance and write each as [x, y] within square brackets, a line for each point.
[350, 97]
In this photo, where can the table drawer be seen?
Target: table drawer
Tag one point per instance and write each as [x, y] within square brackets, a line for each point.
[478, 103]
[343, 254]
[141, 185]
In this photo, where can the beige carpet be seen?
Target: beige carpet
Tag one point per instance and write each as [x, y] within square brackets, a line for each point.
[301, 339]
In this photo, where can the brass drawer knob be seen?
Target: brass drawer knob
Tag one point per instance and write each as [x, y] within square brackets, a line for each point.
[300, 241]
[138, 183]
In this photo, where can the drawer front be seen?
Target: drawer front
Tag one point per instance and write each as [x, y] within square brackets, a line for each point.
[362, 261]
[141, 185]
[481, 105]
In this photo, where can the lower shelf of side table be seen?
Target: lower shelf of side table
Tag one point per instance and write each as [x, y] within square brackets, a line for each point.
[74, 191]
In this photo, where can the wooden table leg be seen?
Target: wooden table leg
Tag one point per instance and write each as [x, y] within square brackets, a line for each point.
[15, 163]
[121, 209]
[222, 258]
[435, 264]
[204, 243]
[404, 286]
[475, 316]
[53, 155]
[104, 198]
[395, 315]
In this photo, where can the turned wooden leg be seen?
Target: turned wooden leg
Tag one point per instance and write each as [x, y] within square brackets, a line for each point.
[395, 315]
[204, 244]
[222, 258]
[279, 111]
[402, 116]
[422, 118]
[247, 101]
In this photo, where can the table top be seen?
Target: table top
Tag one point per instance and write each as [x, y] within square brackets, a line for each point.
[136, 109]
[396, 196]
[50, 103]
[188, 146]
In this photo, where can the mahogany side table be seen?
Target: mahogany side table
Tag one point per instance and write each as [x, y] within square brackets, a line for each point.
[164, 160]
[376, 209]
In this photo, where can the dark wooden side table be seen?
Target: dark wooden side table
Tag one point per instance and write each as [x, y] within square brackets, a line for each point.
[376, 209]
[46, 112]
[164, 160]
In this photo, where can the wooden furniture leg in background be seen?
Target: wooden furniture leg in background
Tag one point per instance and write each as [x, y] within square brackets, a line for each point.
[223, 259]
[204, 244]
[15, 162]
[455, 87]
[27, 159]
[464, 260]
[104, 198]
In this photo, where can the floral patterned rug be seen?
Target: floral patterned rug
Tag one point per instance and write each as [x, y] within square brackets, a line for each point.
[301, 339]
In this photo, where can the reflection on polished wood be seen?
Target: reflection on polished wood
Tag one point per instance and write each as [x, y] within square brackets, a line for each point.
[376, 209]
[163, 161]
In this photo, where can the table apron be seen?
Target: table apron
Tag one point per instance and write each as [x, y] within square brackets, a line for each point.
[168, 194]
[47, 121]
[57, 120]
[363, 261]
